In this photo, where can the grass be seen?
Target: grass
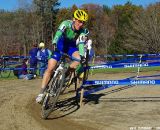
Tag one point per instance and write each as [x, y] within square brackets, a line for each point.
[10, 77]
[107, 70]
[120, 70]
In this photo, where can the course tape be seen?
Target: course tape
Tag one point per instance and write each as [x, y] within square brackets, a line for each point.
[113, 55]
[99, 88]
[17, 57]
[128, 55]
[133, 60]
[122, 82]
[2, 69]
[130, 65]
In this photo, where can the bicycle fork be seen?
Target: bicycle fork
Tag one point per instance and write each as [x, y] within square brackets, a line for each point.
[52, 92]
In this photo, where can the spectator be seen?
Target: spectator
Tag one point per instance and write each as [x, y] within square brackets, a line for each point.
[43, 55]
[21, 71]
[89, 46]
[33, 59]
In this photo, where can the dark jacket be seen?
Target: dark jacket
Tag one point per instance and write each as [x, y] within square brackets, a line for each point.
[33, 54]
[23, 70]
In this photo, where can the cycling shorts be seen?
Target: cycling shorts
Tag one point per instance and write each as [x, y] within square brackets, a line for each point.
[57, 56]
[68, 48]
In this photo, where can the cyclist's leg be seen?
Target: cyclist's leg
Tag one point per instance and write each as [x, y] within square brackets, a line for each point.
[51, 66]
[70, 73]
[47, 75]
[80, 71]
[74, 53]
[52, 62]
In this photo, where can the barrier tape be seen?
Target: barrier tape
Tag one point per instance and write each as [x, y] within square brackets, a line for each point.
[130, 65]
[128, 55]
[2, 69]
[113, 55]
[122, 82]
[131, 60]
[102, 87]
[17, 57]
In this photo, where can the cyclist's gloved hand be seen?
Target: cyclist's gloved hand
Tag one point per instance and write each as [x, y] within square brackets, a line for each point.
[83, 59]
[81, 39]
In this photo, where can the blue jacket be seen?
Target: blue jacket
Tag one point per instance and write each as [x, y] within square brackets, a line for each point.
[43, 55]
[33, 54]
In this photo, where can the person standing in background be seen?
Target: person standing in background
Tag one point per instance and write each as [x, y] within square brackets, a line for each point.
[43, 55]
[33, 59]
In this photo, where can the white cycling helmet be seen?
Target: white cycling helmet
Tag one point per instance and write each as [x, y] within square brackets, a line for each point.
[41, 45]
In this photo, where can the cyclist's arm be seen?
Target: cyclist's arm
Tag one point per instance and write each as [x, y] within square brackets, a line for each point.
[81, 48]
[57, 37]
[81, 41]
[59, 32]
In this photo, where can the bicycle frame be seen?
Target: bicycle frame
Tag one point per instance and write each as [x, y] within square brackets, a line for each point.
[60, 68]
[55, 86]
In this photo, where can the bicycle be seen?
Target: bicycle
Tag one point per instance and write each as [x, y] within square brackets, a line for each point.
[5, 70]
[57, 86]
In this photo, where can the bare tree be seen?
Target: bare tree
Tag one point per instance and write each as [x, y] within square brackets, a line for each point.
[144, 33]
[101, 29]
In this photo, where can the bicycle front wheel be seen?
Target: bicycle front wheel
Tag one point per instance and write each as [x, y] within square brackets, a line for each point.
[52, 94]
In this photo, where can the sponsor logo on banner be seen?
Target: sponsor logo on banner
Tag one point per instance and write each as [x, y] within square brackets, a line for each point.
[101, 66]
[143, 82]
[107, 82]
[136, 65]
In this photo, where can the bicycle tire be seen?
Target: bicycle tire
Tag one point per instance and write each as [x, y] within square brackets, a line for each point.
[50, 100]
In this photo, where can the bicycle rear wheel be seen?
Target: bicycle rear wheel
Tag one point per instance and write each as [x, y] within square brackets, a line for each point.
[72, 80]
[52, 94]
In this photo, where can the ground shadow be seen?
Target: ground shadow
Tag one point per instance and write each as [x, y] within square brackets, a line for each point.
[95, 98]
[132, 99]
[64, 107]
[70, 105]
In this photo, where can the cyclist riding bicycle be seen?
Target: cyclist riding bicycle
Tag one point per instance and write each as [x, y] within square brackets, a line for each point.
[65, 41]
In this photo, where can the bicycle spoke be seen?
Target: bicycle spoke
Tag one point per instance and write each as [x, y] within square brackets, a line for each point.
[52, 96]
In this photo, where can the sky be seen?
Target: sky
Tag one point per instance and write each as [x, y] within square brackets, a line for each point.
[13, 4]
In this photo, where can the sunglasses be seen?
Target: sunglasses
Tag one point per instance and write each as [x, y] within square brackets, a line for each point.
[80, 21]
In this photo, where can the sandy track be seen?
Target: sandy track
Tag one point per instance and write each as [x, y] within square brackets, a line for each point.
[20, 112]
[113, 109]
[15, 95]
